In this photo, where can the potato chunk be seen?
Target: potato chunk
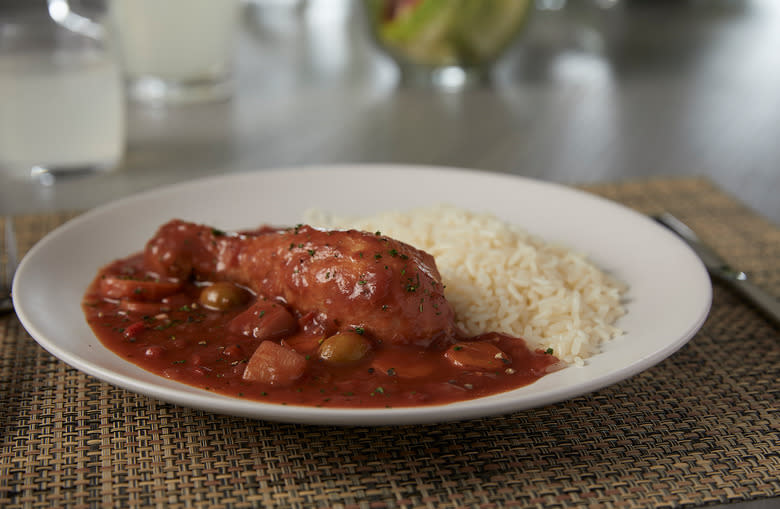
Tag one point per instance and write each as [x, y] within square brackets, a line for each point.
[265, 320]
[274, 364]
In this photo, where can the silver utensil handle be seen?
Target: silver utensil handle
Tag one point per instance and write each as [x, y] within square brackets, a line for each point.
[737, 280]
[761, 299]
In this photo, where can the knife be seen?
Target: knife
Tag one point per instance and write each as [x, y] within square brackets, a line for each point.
[6, 304]
[722, 271]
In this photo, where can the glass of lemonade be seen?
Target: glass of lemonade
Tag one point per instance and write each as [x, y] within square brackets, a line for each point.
[61, 101]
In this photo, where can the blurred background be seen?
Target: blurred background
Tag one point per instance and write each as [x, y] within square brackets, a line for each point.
[589, 91]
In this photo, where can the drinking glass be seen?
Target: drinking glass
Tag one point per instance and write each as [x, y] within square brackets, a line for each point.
[61, 103]
[175, 51]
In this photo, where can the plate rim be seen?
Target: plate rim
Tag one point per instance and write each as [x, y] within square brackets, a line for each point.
[200, 399]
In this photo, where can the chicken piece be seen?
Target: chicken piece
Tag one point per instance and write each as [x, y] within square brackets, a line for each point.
[360, 281]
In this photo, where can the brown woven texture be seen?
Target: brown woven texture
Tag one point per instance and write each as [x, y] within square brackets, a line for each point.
[697, 429]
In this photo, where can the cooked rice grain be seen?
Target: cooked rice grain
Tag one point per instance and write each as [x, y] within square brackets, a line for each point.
[500, 278]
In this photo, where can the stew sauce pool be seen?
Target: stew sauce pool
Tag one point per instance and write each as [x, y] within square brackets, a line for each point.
[207, 332]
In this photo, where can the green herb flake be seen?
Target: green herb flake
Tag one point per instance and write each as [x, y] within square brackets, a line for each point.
[549, 351]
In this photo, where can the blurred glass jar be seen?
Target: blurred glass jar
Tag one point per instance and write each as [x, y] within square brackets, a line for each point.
[61, 99]
[446, 43]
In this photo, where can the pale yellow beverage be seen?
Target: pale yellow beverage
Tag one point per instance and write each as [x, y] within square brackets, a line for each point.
[60, 114]
[174, 43]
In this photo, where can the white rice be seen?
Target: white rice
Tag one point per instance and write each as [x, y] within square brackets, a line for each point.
[500, 278]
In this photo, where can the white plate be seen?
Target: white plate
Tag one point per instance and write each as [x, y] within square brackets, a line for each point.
[669, 295]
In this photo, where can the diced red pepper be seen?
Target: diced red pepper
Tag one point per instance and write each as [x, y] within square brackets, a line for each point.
[133, 330]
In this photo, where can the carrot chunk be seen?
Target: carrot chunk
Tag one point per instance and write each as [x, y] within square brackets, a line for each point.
[114, 287]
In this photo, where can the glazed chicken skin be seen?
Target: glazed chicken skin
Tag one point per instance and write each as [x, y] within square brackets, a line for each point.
[353, 279]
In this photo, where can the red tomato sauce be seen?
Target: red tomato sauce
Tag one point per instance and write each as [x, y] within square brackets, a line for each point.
[167, 331]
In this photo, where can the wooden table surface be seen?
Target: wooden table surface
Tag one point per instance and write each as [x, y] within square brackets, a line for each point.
[590, 94]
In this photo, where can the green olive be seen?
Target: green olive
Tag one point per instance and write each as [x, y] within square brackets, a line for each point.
[222, 296]
[344, 348]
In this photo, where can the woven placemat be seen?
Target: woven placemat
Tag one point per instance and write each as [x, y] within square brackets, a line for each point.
[699, 428]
